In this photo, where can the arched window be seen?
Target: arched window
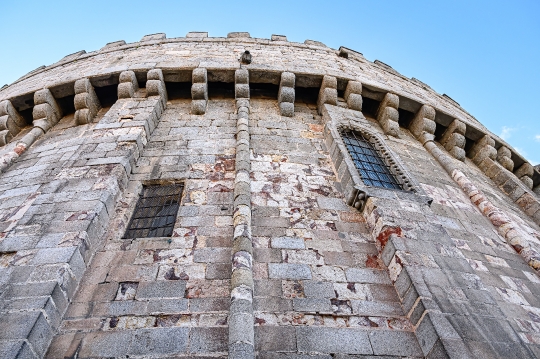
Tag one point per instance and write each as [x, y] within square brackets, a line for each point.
[368, 161]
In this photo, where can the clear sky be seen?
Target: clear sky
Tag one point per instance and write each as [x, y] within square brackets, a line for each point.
[485, 54]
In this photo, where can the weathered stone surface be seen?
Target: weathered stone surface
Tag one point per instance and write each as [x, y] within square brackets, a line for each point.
[271, 251]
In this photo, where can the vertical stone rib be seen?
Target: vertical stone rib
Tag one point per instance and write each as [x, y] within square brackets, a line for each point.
[241, 330]
[505, 226]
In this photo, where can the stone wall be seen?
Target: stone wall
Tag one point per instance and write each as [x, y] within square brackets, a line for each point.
[279, 250]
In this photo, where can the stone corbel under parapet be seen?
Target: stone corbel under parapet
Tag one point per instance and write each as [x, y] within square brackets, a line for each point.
[155, 85]
[488, 159]
[11, 122]
[525, 173]
[483, 155]
[388, 115]
[86, 102]
[453, 139]
[199, 91]
[327, 93]
[423, 125]
[504, 157]
[128, 84]
[286, 94]
[483, 148]
[241, 84]
[46, 114]
[353, 95]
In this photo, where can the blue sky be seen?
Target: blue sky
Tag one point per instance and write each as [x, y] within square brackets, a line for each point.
[484, 54]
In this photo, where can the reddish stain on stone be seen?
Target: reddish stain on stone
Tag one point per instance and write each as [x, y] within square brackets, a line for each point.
[372, 261]
[315, 128]
[19, 149]
[385, 234]
[259, 321]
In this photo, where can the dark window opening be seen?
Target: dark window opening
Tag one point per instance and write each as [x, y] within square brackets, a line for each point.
[107, 95]
[370, 107]
[155, 212]
[373, 170]
[308, 95]
[266, 91]
[341, 93]
[405, 118]
[220, 90]
[178, 90]
[67, 105]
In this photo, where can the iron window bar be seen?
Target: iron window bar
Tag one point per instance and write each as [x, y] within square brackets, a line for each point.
[368, 162]
[155, 212]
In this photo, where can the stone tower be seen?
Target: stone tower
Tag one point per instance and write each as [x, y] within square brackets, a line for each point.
[202, 197]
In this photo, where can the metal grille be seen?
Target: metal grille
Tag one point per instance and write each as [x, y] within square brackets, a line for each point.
[155, 212]
[373, 170]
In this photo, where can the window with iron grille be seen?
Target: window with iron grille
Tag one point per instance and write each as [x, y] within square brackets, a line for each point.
[155, 212]
[368, 162]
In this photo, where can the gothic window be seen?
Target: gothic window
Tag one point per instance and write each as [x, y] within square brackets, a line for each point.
[155, 212]
[368, 162]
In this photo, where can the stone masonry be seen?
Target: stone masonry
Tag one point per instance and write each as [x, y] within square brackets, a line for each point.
[279, 249]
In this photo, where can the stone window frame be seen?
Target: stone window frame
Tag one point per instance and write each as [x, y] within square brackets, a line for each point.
[356, 192]
[150, 183]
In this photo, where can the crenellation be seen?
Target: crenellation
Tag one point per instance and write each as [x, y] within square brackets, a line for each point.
[113, 44]
[278, 38]
[234, 35]
[197, 34]
[154, 37]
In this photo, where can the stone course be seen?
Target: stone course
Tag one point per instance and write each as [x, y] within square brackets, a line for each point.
[279, 250]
